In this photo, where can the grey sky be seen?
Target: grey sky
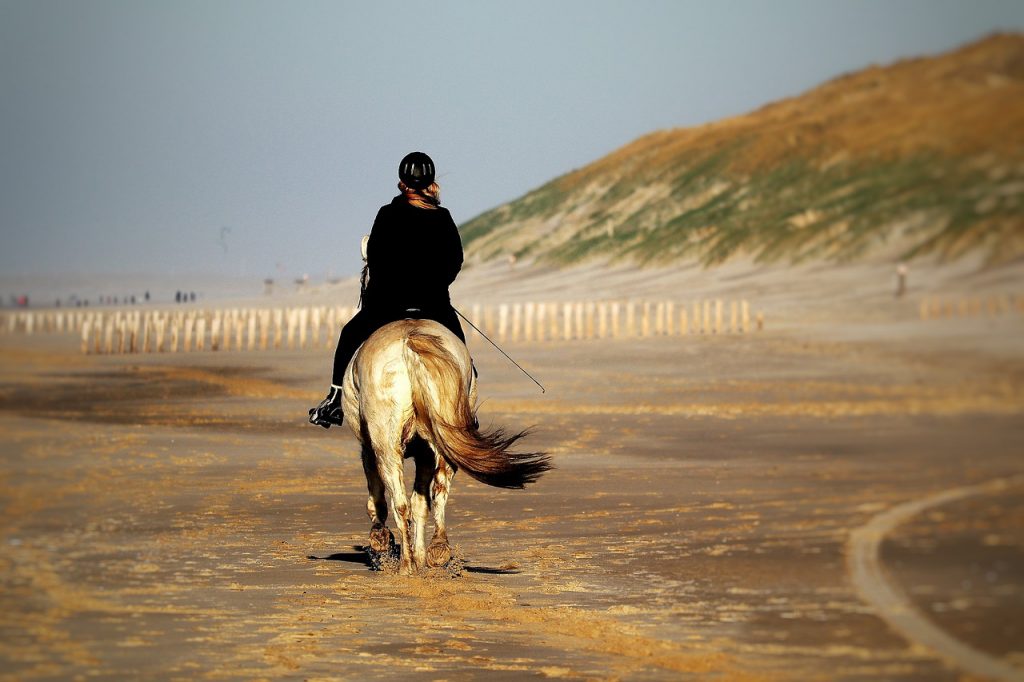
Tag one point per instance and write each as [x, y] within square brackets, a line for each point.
[133, 132]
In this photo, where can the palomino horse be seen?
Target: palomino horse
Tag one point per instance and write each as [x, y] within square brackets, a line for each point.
[410, 391]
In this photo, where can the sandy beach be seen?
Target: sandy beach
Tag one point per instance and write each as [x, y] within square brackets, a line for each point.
[174, 516]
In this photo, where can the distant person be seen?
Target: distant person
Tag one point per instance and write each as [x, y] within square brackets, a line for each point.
[147, 296]
[192, 296]
[412, 256]
[177, 297]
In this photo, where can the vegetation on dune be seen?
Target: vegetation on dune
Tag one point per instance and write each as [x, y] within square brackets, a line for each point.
[926, 154]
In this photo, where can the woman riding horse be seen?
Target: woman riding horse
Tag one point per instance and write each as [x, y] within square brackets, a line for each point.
[413, 255]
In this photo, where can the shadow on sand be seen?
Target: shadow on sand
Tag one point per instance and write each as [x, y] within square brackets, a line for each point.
[362, 556]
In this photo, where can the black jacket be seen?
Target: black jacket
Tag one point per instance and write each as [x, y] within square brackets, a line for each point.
[413, 255]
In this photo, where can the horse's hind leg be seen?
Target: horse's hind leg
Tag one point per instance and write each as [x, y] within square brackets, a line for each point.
[440, 553]
[389, 465]
[381, 538]
[424, 458]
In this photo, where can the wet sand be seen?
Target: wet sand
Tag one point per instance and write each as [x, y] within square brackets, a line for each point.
[175, 517]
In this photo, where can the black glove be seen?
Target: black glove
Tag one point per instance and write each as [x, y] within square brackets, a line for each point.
[329, 410]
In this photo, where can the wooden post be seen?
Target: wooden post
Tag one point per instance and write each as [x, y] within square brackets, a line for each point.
[645, 320]
[542, 322]
[517, 319]
[314, 341]
[215, 332]
[239, 329]
[745, 316]
[718, 316]
[760, 321]
[201, 333]
[566, 321]
[226, 331]
[684, 324]
[175, 332]
[86, 328]
[602, 320]
[278, 331]
[630, 319]
[134, 331]
[578, 328]
[147, 326]
[303, 325]
[159, 326]
[250, 342]
[265, 327]
[289, 323]
[705, 324]
[121, 328]
[734, 321]
[670, 318]
[223, 326]
[331, 324]
[186, 344]
[529, 318]
[502, 321]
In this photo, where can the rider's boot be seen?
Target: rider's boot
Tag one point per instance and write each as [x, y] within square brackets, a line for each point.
[328, 412]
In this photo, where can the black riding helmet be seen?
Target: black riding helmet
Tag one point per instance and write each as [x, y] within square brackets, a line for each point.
[416, 170]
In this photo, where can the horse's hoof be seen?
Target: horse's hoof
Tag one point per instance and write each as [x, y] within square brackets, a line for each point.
[438, 554]
[381, 539]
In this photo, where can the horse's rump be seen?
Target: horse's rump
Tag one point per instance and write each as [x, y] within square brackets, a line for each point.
[426, 359]
[443, 410]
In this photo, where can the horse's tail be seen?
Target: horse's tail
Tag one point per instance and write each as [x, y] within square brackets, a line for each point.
[441, 404]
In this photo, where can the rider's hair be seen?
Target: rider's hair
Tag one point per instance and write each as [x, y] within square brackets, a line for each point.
[429, 197]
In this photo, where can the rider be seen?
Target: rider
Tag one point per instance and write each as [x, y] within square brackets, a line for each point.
[414, 253]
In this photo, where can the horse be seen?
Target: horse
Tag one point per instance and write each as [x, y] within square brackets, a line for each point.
[410, 391]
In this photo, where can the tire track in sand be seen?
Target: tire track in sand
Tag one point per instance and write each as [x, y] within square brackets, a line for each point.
[875, 588]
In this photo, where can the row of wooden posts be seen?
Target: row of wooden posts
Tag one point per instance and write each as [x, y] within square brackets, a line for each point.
[938, 307]
[145, 331]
